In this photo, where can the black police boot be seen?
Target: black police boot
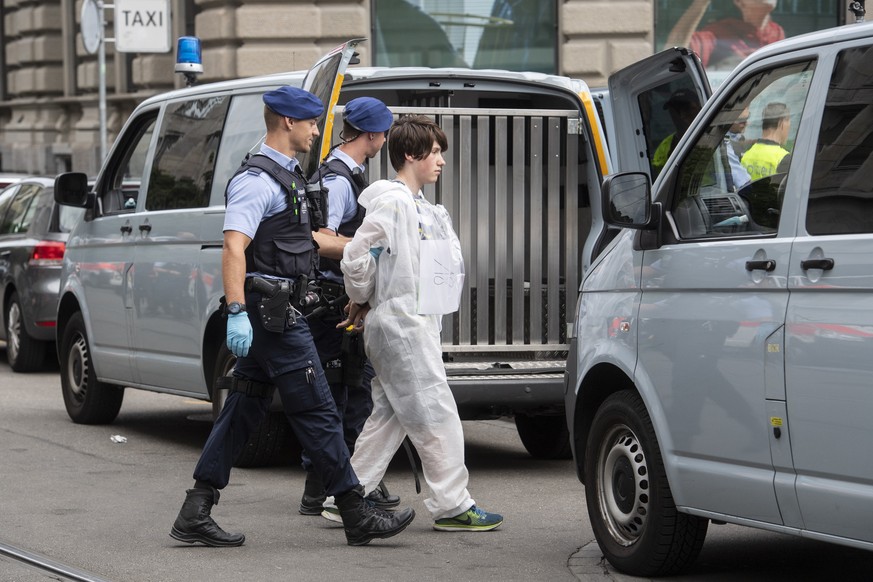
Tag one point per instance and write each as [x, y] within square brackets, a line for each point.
[364, 522]
[381, 498]
[313, 496]
[194, 523]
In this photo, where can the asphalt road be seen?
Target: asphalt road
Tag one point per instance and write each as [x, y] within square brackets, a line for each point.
[71, 496]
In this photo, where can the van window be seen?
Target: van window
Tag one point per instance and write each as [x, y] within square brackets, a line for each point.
[122, 184]
[841, 191]
[732, 179]
[185, 154]
[243, 133]
[667, 111]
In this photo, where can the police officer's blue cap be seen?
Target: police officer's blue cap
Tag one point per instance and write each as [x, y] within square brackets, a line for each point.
[294, 102]
[368, 114]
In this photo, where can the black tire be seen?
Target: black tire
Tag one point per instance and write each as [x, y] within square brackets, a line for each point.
[544, 436]
[630, 505]
[272, 440]
[88, 400]
[25, 354]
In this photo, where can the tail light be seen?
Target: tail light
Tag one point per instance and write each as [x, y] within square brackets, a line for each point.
[47, 253]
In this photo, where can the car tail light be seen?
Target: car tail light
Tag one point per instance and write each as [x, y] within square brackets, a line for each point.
[48, 253]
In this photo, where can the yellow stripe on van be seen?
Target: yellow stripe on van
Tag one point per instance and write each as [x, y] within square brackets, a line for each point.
[594, 124]
[328, 121]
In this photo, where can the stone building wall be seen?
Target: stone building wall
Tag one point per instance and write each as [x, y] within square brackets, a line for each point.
[50, 119]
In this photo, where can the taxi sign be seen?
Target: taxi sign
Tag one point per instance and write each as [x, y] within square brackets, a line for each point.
[142, 26]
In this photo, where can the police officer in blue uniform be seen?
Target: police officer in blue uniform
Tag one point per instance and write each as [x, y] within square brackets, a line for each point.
[366, 121]
[268, 253]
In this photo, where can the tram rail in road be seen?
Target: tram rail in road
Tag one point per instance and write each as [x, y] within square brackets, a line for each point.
[62, 572]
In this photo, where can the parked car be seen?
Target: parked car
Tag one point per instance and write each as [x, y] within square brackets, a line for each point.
[6, 179]
[720, 369]
[33, 235]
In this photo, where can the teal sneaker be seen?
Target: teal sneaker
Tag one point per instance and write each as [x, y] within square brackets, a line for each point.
[474, 519]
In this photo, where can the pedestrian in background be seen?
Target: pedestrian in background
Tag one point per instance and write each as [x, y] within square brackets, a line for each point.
[768, 156]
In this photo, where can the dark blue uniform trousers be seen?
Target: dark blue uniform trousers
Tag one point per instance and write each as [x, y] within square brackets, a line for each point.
[354, 403]
[289, 361]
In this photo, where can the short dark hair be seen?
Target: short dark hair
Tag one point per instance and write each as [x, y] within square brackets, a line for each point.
[350, 132]
[773, 114]
[413, 135]
[272, 119]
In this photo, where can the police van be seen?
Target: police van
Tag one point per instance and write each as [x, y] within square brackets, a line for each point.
[720, 363]
[141, 282]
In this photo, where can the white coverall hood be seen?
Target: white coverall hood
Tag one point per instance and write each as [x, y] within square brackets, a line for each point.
[375, 190]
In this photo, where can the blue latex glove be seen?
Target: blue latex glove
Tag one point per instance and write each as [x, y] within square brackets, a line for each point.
[376, 251]
[239, 334]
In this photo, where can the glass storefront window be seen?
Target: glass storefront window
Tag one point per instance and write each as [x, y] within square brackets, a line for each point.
[724, 32]
[518, 35]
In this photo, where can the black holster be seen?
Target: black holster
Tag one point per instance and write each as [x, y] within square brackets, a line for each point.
[353, 359]
[275, 304]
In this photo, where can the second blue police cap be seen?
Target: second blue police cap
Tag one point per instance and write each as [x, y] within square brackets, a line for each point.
[368, 114]
[294, 102]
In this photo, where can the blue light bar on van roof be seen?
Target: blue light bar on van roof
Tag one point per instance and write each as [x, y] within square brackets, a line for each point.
[188, 59]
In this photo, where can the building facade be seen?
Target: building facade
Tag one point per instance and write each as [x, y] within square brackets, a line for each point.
[49, 83]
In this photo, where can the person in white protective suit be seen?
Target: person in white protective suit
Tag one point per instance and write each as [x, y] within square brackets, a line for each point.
[405, 264]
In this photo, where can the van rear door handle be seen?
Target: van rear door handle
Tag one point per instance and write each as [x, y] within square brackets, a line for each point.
[145, 227]
[126, 228]
[823, 264]
[765, 265]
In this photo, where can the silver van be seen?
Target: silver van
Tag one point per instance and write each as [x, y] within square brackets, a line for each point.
[141, 279]
[720, 365]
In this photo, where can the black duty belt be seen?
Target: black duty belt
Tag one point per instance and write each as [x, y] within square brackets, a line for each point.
[331, 289]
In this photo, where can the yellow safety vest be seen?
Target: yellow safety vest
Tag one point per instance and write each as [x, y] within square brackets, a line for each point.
[662, 152]
[763, 158]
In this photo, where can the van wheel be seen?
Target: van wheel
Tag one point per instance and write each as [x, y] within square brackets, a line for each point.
[88, 400]
[273, 438]
[25, 354]
[630, 505]
[544, 436]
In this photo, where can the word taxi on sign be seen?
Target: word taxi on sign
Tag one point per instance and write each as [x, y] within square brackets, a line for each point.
[142, 26]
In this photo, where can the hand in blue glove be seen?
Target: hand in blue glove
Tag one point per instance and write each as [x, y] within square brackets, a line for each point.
[239, 334]
[376, 251]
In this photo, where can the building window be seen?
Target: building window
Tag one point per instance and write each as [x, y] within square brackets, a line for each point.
[724, 32]
[518, 35]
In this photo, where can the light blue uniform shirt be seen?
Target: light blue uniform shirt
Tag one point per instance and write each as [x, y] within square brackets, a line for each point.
[252, 197]
[739, 174]
[342, 204]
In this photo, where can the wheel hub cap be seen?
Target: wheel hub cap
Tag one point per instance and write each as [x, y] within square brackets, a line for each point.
[623, 485]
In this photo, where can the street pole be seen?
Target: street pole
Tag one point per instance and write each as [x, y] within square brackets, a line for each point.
[101, 66]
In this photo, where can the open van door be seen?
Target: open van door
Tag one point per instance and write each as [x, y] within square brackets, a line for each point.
[324, 80]
[653, 102]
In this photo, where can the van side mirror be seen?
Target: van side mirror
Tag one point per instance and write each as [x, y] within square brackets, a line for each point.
[627, 201]
[72, 189]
